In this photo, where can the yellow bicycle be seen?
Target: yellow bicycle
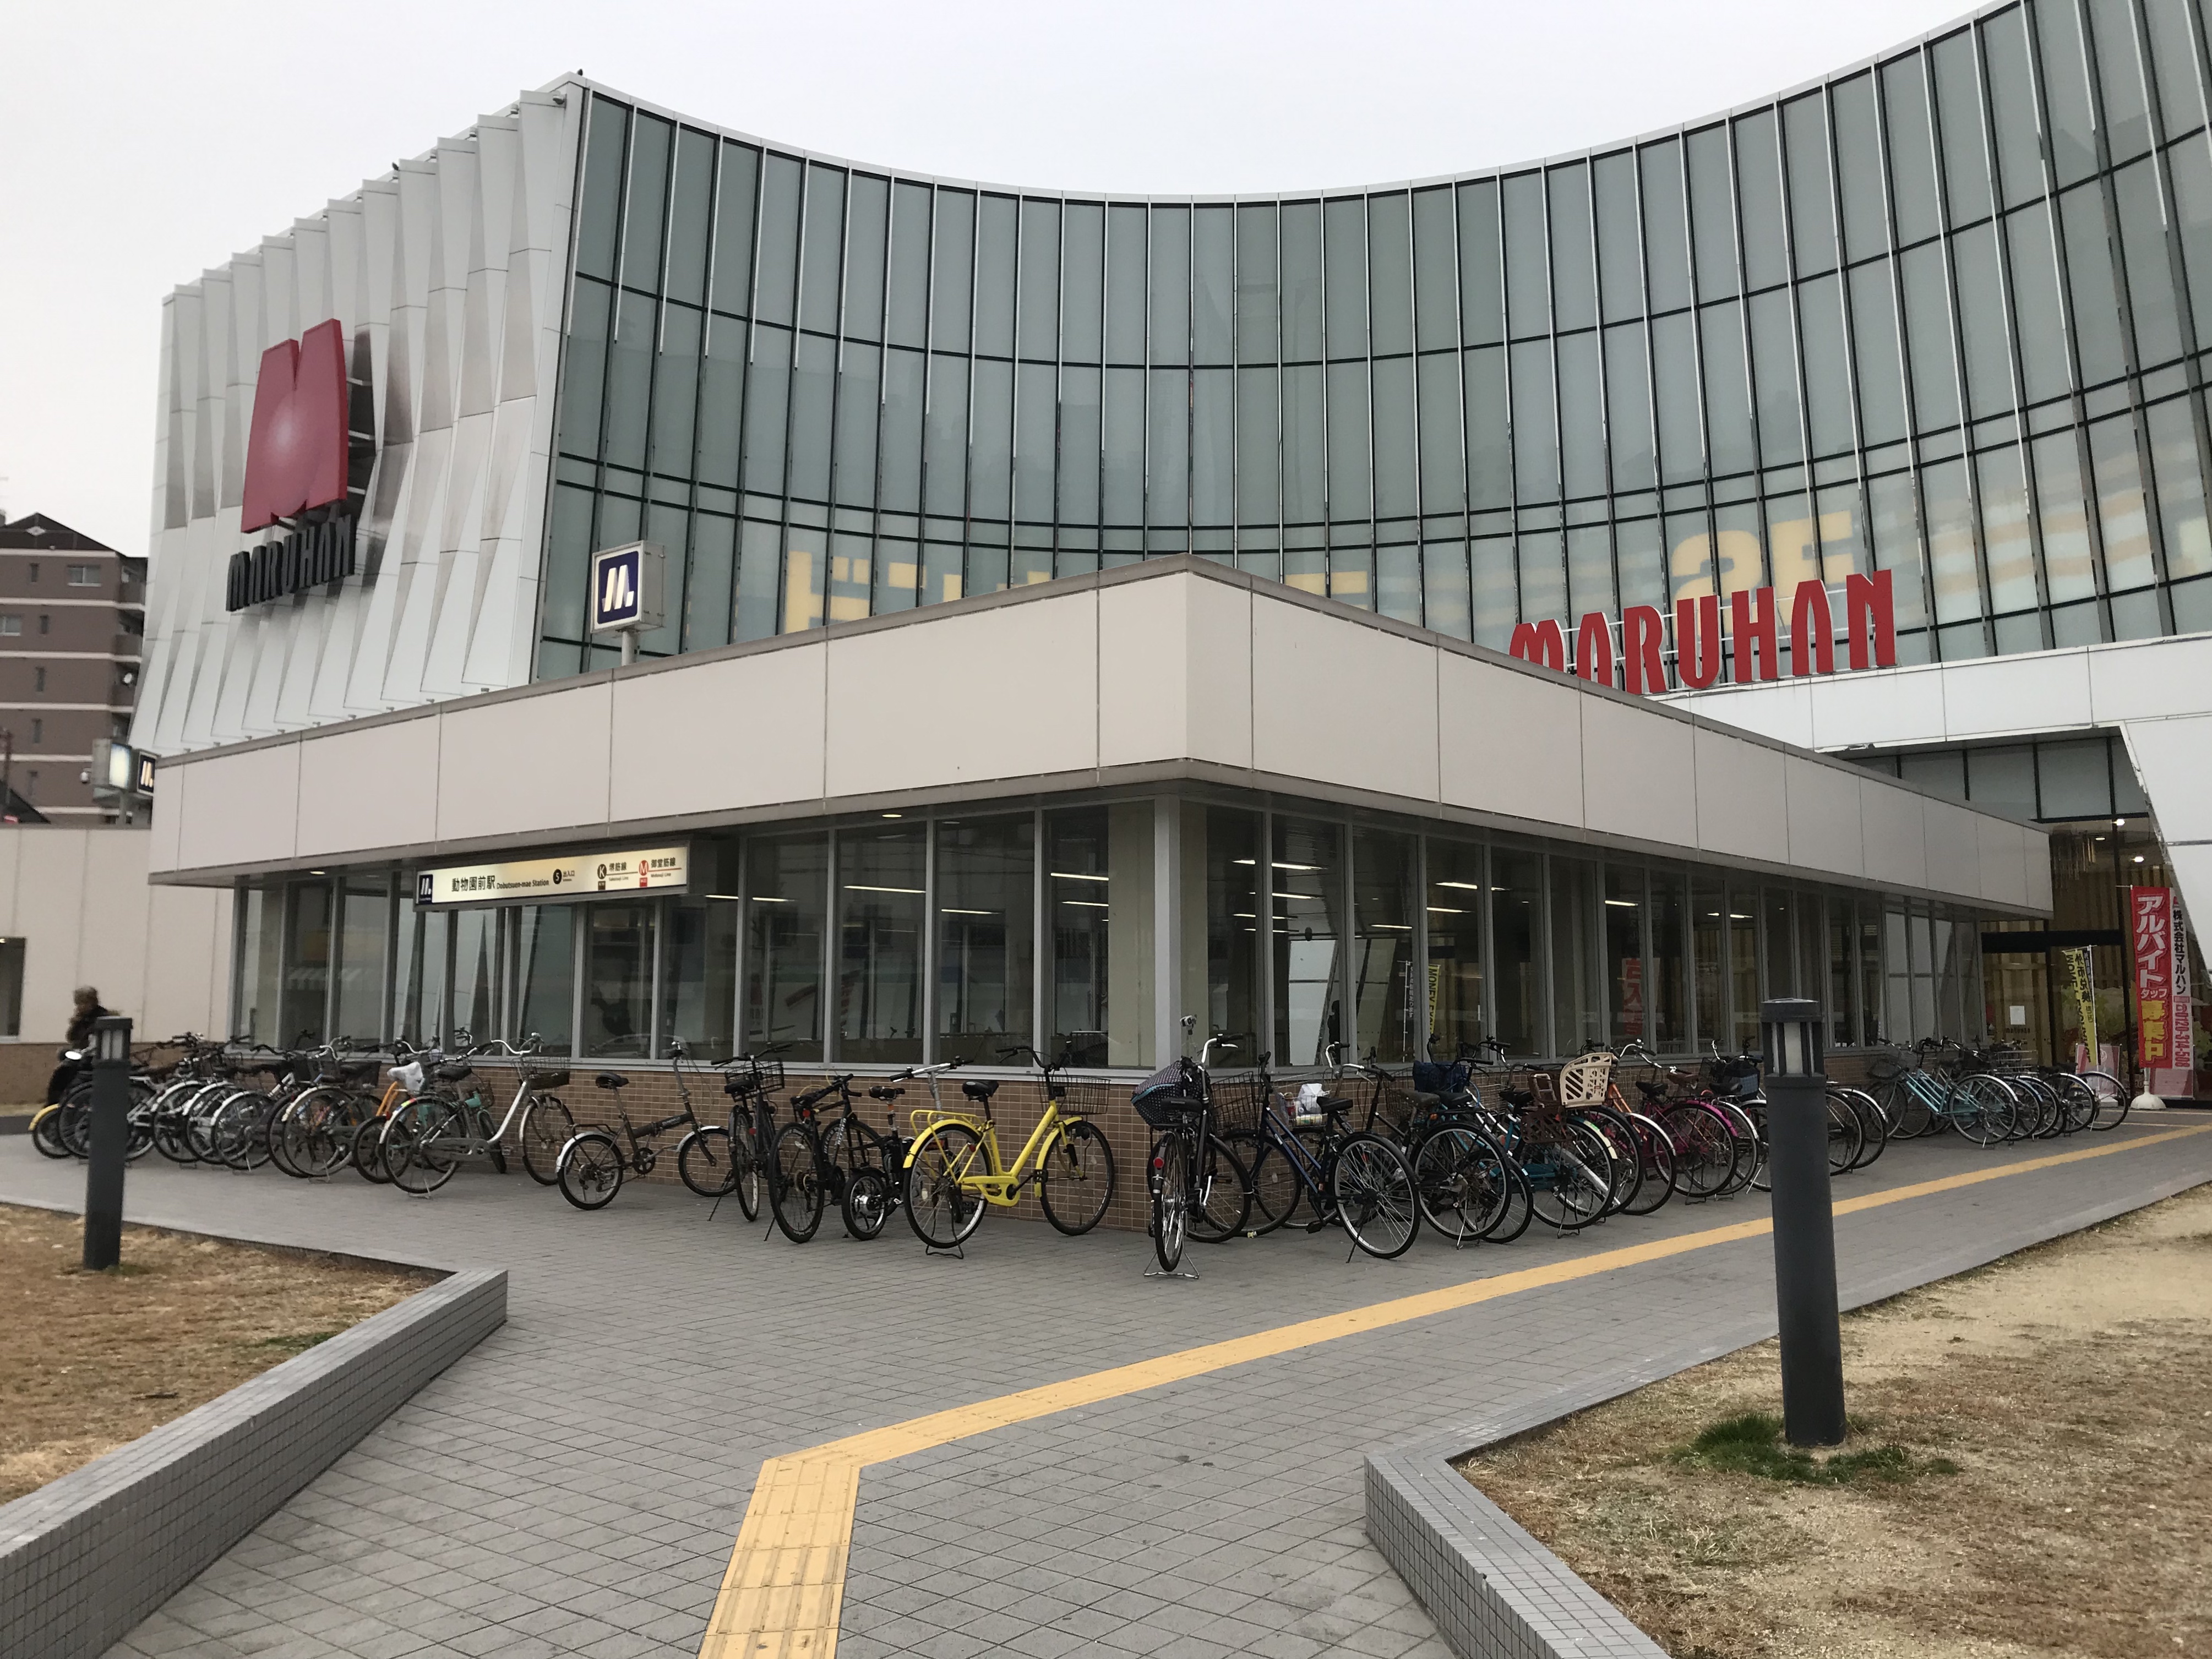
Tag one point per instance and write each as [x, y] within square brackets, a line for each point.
[953, 1169]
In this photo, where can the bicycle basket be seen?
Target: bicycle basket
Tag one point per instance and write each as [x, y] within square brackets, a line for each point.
[1164, 1099]
[1435, 1077]
[1085, 1096]
[1239, 1100]
[545, 1071]
[753, 1076]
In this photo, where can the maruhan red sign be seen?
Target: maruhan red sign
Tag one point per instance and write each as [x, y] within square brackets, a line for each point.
[1647, 652]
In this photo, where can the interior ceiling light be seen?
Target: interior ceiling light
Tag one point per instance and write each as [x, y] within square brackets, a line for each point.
[1070, 875]
[1622, 904]
[2119, 824]
[2139, 858]
[862, 887]
[1087, 904]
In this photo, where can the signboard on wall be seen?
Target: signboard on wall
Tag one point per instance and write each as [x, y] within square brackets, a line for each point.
[545, 881]
[2150, 934]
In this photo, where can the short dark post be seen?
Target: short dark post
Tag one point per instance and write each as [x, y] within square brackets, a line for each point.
[1804, 1226]
[111, 1141]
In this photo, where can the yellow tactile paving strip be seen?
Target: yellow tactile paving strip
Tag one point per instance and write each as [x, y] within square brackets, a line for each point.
[785, 1587]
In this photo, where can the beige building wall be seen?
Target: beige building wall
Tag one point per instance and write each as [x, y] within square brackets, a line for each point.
[78, 899]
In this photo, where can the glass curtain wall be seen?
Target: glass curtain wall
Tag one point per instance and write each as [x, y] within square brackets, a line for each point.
[1932, 316]
[1392, 942]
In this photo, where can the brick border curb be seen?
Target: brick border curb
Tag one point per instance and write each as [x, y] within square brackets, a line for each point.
[1494, 1591]
[85, 1559]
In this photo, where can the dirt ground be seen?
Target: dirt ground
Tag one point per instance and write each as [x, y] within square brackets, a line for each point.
[88, 1361]
[2033, 1476]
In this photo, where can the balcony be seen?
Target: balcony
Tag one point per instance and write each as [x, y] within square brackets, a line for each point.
[132, 595]
[129, 644]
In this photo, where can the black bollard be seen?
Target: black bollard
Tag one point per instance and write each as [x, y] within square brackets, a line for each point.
[1804, 1226]
[110, 1142]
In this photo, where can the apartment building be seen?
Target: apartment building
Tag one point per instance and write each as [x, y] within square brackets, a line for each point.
[72, 634]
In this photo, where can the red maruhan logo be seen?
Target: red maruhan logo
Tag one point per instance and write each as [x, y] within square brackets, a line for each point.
[296, 457]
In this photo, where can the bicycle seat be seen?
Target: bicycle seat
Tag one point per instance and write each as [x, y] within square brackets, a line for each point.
[980, 1092]
[882, 1092]
[613, 1080]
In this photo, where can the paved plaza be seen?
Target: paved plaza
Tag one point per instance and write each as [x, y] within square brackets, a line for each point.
[575, 1484]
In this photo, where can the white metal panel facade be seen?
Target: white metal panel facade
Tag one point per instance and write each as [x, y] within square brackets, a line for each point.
[449, 276]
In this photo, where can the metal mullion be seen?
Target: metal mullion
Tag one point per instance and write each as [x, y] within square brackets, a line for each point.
[1485, 868]
[1750, 348]
[837, 392]
[656, 911]
[1236, 390]
[1426, 1011]
[928, 393]
[1958, 333]
[967, 459]
[1044, 958]
[1833, 161]
[1465, 460]
[1367, 306]
[825, 999]
[388, 995]
[578, 962]
[1190, 384]
[1145, 423]
[1327, 469]
[1999, 220]
[1060, 403]
[1265, 864]
[1282, 538]
[1547, 978]
[740, 1039]
[1552, 346]
[2169, 212]
[1880, 88]
[929, 945]
[1348, 937]
[790, 384]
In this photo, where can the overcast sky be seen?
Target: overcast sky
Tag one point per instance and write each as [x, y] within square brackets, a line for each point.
[139, 144]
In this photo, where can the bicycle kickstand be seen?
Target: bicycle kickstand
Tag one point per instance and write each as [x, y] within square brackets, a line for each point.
[1162, 1272]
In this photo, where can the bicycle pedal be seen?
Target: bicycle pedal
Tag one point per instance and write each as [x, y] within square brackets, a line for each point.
[1318, 1223]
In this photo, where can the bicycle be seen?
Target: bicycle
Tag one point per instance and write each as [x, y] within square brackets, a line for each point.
[1920, 1101]
[592, 1163]
[716, 1160]
[1354, 1178]
[432, 1135]
[1197, 1186]
[953, 1171]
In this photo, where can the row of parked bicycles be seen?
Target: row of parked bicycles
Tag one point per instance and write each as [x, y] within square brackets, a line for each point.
[1471, 1148]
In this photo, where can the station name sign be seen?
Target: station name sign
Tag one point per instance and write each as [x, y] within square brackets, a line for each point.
[1637, 652]
[579, 876]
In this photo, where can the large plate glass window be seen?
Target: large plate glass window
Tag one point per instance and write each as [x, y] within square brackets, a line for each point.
[546, 974]
[879, 939]
[1709, 933]
[1516, 935]
[1309, 923]
[618, 978]
[1627, 987]
[1221, 922]
[306, 966]
[1455, 919]
[699, 994]
[986, 897]
[1386, 988]
[787, 900]
[364, 923]
[1098, 888]
[1577, 999]
[1666, 992]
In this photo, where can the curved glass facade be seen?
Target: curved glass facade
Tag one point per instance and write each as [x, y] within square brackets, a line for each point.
[1936, 314]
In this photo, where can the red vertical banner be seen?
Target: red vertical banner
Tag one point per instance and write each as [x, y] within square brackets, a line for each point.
[2150, 928]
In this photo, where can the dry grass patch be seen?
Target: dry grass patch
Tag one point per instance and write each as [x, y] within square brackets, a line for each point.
[89, 1361]
[2029, 1471]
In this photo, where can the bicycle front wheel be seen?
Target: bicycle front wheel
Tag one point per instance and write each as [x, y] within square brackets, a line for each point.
[1172, 1186]
[942, 1211]
[1075, 1183]
[45, 1133]
[703, 1161]
[1705, 1153]
[1846, 1139]
[414, 1153]
[1655, 1151]
[1462, 1182]
[1987, 1113]
[795, 1189]
[1221, 1201]
[2112, 1099]
[1373, 1190]
[1278, 1189]
[591, 1170]
[546, 1128]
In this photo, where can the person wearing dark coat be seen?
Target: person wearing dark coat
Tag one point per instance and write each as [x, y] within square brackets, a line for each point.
[80, 1037]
